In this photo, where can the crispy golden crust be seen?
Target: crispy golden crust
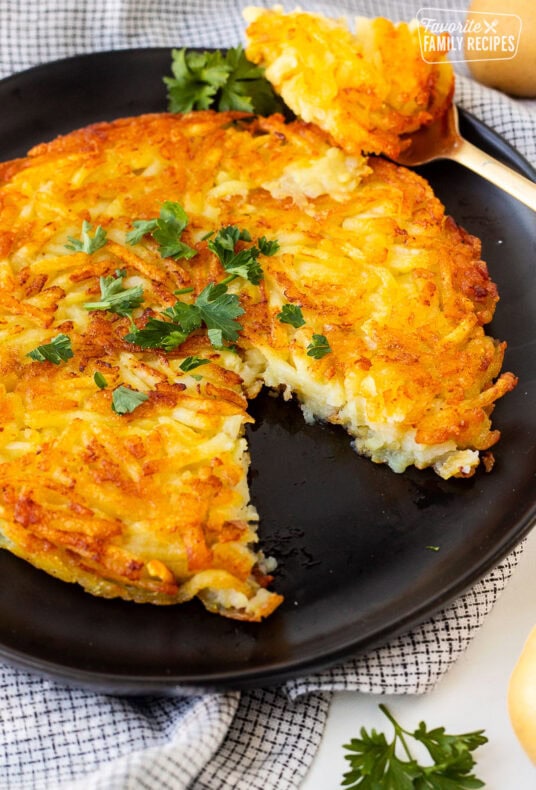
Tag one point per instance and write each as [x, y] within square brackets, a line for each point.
[365, 88]
[153, 505]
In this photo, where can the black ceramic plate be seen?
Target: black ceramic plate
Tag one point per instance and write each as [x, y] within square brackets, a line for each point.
[351, 537]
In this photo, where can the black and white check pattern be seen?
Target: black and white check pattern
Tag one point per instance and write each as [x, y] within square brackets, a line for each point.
[57, 737]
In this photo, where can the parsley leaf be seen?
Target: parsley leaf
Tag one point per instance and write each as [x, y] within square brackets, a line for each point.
[268, 247]
[216, 337]
[166, 231]
[158, 334]
[58, 350]
[191, 363]
[291, 314]
[186, 315]
[114, 297]
[141, 228]
[125, 400]
[218, 309]
[99, 380]
[453, 749]
[374, 761]
[224, 81]
[169, 227]
[319, 347]
[87, 243]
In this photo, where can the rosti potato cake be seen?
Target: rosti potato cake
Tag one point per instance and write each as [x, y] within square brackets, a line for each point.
[155, 272]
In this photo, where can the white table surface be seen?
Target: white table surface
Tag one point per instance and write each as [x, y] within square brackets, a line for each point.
[471, 696]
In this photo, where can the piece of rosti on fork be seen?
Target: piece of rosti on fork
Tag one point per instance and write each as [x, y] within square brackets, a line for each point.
[366, 88]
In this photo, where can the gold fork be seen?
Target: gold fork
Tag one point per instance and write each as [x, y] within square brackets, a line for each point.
[442, 140]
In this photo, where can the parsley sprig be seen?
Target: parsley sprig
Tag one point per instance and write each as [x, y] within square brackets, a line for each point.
[125, 399]
[219, 80]
[243, 263]
[214, 307]
[291, 314]
[318, 347]
[86, 243]
[57, 351]
[191, 363]
[166, 230]
[374, 763]
[114, 297]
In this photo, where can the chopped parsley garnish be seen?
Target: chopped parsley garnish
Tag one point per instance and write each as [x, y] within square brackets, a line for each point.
[115, 298]
[374, 762]
[158, 334]
[291, 314]
[268, 247]
[169, 227]
[185, 315]
[58, 350]
[214, 307]
[166, 230]
[318, 347]
[219, 80]
[191, 363]
[125, 400]
[243, 263]
[219, 309]
[99, 380]
[226, 240]
[141, 228]
[87, 243]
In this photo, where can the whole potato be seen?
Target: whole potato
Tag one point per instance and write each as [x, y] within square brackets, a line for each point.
[516, 76]
[522, 697]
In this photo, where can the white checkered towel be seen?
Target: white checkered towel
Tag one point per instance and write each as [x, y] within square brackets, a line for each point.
[53, 736]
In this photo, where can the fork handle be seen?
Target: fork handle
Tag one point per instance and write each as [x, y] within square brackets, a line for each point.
[502, 176]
